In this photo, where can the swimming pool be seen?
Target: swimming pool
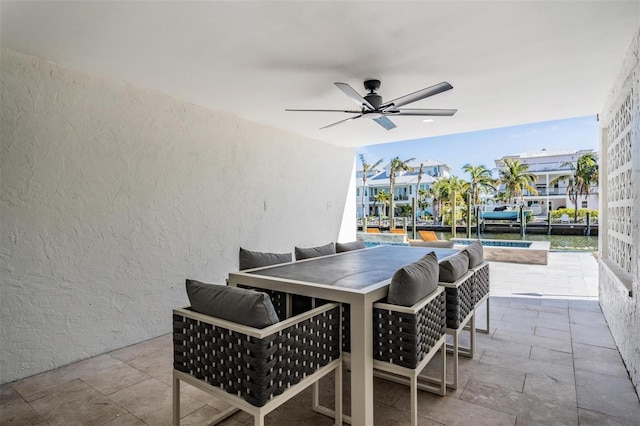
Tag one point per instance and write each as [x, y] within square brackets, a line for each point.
[494, 243]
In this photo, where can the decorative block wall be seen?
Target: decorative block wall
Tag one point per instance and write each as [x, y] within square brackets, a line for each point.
[619, 241]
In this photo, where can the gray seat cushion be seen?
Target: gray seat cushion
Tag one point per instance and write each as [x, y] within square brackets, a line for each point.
[454, 267]
[353, 245]
[256, 259]
[310, 252]
[476, 254]
[414, 282]
[242, 306]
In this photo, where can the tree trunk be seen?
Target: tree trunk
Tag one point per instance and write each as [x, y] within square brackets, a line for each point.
[453, 215]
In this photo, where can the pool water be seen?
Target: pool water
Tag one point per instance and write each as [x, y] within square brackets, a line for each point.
[558, 242]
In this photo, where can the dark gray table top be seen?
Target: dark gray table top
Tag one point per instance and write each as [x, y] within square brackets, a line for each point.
[354, 269]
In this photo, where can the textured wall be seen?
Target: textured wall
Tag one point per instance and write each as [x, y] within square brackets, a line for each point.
[619, 241]
[112, 195]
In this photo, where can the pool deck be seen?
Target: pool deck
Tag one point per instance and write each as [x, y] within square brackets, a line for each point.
[536, 253]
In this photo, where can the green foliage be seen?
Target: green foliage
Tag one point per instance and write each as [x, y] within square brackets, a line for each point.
[582, 215]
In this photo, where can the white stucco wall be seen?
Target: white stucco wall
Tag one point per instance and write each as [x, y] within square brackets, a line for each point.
[112, 195]
[619, 238]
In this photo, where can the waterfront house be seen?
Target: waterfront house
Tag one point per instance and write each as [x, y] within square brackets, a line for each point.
[548, 165]
[406, 186]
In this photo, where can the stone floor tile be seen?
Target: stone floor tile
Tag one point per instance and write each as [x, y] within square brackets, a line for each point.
[132, 352]
[519, 326]
[126, 420]
[16, 411]
[203, 417]
[393, 416]
[158, 364]
[44, 384]
[499, 347]
[496, 376]
[593, 418]
[556, 303]
[528, 409]
[78, 403]
[555, 322]
[577, 316]
[553, 333]
[294, 415]
[114, 378]
[533, 340]
[609, 395]
[599, 360]
[585, 305]
[545, 387]
[456, 412]
[556, 370]
[151, 401]
[549, 355]
[596, 335]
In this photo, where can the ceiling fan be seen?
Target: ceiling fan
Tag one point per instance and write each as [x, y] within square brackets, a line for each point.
[371, 105]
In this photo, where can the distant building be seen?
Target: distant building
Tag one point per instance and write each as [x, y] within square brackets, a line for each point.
[547, 166]
[405, 188]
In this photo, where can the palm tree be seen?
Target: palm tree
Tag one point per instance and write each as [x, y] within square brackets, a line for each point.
[396, 165]
[366, 168]
[414, 216]
[585, 174]
[381, 197]
[456, 187]
[423, 194]
[440, 193]
[481, 178]
[516, 178]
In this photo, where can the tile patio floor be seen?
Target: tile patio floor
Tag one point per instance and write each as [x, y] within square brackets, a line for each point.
[549, 360]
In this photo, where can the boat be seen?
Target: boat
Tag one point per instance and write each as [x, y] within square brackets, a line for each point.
[502, 213]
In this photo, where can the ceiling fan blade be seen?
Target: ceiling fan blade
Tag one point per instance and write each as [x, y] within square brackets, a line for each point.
[385, 122]
[326, 110]
[354, 96]
[341, 121]
[421, 112]
[416, 96]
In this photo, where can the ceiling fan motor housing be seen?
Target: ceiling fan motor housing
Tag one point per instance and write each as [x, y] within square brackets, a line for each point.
[373, 98]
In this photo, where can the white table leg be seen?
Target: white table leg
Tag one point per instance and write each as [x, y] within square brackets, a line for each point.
[361, 364]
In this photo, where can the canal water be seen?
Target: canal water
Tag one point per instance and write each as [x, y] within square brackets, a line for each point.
[558, 242]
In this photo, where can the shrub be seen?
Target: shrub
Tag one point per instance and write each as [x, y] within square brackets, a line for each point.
[582, 215]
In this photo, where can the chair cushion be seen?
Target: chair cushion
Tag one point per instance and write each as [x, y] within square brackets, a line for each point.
[308, 253]
[256, 259]
[454, 267]
[239, 305]
[476, 254]
[414, 282]
[353, 245]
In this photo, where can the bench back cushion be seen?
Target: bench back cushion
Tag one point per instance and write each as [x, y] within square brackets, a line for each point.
[414, 282]
[353, 245]
[476, 254]
[308, 253]
[239, 305]
[454, 267]
[256, 259]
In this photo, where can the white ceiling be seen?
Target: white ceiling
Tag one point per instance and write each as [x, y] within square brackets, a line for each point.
[510, 62]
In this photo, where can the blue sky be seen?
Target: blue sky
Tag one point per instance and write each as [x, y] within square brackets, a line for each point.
[483, 147]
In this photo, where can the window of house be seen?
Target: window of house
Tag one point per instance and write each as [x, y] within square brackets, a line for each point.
[584, 204]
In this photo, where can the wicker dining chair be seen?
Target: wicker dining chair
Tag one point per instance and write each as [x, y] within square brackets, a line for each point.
[458, 283]
[256, 370]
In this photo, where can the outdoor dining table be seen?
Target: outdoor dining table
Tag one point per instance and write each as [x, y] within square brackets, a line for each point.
[359, 278]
